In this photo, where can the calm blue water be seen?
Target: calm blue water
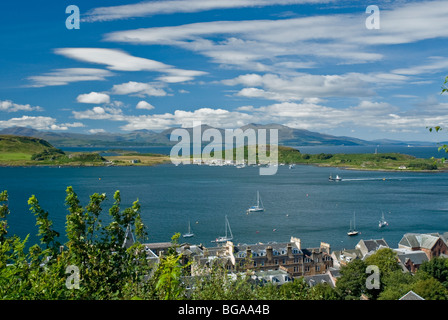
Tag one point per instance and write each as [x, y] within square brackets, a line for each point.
[419, 152]
[299, 202]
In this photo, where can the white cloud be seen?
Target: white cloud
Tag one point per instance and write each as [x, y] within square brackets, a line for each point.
[61, 77]
[434, 65]
[114, 59]
[138, 89]
[93, 131]
[9, 106]
[144, 9]
[310, 114]
[100, 113]
[259, 44]
[94, 98]
[301, 86]
[39, 123]
[119, 60]
[144, 105]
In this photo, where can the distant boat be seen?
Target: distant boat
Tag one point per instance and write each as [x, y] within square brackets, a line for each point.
[337, 178]
[292, 166]
[352, 231]
[256, 208]
[189, 234]
[382, 222]
[227, 237]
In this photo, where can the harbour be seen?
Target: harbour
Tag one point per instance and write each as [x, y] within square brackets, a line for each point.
[300, 202]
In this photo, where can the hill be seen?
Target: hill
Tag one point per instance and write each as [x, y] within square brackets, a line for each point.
[26, 148]
[286, 136]
[30, 151]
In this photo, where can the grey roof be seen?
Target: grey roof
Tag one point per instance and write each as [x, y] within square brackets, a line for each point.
[417, 257]
[411, 295]
[259, 249]
[128, 238]
[318, 278]
[367, 246]
[335, 273]
[418, 240]
[275, 276]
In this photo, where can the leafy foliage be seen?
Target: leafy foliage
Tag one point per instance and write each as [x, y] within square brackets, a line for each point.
[108, 269]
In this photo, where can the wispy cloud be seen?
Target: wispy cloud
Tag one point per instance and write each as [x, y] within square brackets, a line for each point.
[62, 77]
[119, 60]
[150, 8]
[434, 64]
[343, 38]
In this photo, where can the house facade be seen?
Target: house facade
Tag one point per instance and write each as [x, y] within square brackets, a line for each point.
[288, 256]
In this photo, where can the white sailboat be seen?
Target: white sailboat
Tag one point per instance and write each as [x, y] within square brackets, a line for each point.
[227, 237]
[382, 222]
[352, 231]
[189, 234]
[258, 207]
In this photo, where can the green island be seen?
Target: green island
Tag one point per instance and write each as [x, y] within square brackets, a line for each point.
[358, 161]
[29, 151]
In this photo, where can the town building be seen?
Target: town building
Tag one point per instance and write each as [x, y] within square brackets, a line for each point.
[433, 244]
[289, 257]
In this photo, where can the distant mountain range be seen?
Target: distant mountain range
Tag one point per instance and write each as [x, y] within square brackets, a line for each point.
[287, 136]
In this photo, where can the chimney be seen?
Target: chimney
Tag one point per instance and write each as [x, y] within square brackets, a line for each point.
[296, 241]
[248, 253]
[289, 250]
[269, 253]
[325, 247]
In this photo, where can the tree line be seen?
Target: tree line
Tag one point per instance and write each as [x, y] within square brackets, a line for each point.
[108, 270]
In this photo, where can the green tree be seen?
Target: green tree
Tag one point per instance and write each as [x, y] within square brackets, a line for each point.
[108, 269]
[396, 284]
[352, 282]
[437, 268]
[430, 289]
[296, 290]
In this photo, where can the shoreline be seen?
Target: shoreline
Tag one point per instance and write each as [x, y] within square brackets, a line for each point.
[92, 164]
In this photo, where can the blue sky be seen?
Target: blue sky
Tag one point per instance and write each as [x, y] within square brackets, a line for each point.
[309, 64]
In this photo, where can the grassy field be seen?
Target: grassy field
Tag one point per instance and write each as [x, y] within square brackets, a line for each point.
[8, 156]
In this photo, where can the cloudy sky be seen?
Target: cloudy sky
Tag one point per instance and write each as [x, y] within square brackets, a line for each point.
[309, 64]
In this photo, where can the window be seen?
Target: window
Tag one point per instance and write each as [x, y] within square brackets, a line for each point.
[317, 268]
[276, 261]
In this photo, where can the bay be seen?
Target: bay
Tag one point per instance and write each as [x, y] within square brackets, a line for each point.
[298, 202]
[416, 151]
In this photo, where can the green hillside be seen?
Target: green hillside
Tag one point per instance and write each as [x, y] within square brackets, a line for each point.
[13, 148]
